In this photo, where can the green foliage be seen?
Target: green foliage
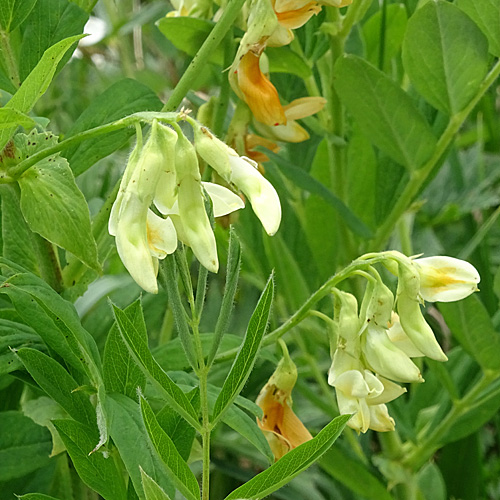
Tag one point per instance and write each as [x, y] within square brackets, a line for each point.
[445, 55]
[291, 464]
[386, 114]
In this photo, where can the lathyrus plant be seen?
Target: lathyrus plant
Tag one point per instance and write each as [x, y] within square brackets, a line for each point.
[317, 147]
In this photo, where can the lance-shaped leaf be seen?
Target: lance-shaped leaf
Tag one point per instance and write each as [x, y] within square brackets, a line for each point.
[180, 472]
[131, 438]
[59, 385]
[37, 82]
[52, 203]
[245, 359]
[384, 112]
[53, 318]
[120, 371]
[139, 349]
[12, 118]
[308, 183]
[97, 471]
[152, 490]
[292, 464]
[232, 274]
[445, 55]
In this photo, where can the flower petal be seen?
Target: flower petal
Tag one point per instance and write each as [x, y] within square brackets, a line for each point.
[446, 279]
[224, 200]
[262, 195]
[162, 237]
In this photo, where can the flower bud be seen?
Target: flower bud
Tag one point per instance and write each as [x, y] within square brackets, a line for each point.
[400, 339]
[386, 359]
[346, 315]
[213, 150]
[380, 305]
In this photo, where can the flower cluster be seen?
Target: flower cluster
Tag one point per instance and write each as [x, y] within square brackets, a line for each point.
[375, 345]
[164, 173]
[270, 23]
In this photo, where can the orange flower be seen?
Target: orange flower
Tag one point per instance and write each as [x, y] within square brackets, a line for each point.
[283, 429]
[259, 93]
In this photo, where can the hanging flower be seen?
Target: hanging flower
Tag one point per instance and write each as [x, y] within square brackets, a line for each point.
[282, 428]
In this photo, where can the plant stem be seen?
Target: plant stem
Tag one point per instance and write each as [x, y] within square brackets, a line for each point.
[418, 177]
[213, 40]
[362, 262]
[433, 441]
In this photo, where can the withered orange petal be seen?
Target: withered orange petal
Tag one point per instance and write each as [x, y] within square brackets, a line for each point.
[293, 19]
[260, 94]
[292, 429]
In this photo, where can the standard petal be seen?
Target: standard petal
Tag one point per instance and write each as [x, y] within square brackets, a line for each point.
[446, 279]
[224, 200]
[305, 106]
[262, 195]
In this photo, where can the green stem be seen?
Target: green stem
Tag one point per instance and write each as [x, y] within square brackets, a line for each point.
[213, 40]
[362, 262]
[10, 59]
[433, 441]
[418, 177]
[205, 434]
[19, 169]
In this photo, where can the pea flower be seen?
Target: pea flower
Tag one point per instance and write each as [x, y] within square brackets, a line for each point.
[141, 237]
[446, 279]
[283, 429]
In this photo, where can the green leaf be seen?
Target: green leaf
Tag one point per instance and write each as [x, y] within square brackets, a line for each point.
[292, 464]
[142, 356]
[120, 372]
[175, 303]
[353, 474]
[394, 32]
[24, 445]
[59, 385]
[304, 180]
[14, 12]
[95, 469]
[42, 411]
[445, 55]
[174, 425]
[49, 22]
[385, 113]
[152, 490]
[123, 98]
[321, 226]
[11, 118]
[18, 240]
[37, 82]
[188, 34]
[86, 5]
[431, 483]
[127, 430]
[245, 359]
[53, 205]
[180, 472]
[232, 275]
[14, 336]
[284, 60]
[470, 323]
[486, 14]
[247, 427]
[53, 318]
